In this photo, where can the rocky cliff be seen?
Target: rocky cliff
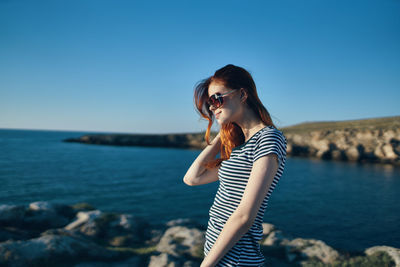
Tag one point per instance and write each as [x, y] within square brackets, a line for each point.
[369, 140]
[372, 140]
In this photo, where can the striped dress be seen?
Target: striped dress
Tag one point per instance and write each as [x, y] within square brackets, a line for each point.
[233, 175]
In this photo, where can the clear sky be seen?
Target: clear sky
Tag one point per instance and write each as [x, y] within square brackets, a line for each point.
[131, 66]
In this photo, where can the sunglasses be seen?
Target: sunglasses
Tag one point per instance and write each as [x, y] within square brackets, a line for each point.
[216, 100]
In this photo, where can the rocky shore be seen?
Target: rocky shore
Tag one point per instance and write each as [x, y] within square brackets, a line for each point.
[370, 140]
[190, 140]
[50, 234]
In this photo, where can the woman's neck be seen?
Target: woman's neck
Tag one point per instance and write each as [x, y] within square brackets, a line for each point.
[250, 124]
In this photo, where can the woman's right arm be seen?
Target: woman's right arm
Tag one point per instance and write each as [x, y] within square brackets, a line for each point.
[197, 174]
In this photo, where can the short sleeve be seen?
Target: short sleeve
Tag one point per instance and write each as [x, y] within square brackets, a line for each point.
[272, 141]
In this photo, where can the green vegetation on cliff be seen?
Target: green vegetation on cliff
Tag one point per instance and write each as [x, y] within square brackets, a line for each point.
[365, 124]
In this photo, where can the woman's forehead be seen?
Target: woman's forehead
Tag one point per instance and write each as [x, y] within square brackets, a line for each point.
[216, 88]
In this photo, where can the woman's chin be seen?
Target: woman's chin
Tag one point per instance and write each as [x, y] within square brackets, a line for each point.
[220, 121]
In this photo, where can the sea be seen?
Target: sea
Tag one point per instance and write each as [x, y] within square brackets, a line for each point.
[349, 206]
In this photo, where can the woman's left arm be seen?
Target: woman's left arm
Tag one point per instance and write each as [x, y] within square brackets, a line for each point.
[261, 177]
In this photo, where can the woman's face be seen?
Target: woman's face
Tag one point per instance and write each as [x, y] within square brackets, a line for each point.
[230, 108]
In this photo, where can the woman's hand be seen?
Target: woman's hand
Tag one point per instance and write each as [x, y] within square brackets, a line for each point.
[198, 174]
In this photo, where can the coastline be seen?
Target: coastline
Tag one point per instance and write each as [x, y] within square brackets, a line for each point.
[364, 141]
[44, 233]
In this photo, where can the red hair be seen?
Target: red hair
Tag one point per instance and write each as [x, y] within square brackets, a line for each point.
[231, 77]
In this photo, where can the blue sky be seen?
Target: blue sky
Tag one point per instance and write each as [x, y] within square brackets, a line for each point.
[130, 66]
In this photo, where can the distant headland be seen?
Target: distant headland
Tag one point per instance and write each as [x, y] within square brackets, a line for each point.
[368, 140]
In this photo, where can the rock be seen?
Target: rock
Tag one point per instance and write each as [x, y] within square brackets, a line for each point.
[37, 217]
[93, 264]
[337, 154]
[44, 215]
[322, 146]
[389, 135]
[352, 153]
[365, 136]
[289, 149]
[83, 206]
[277, 262]
[12, 215]
[155, 237]
[51, 249]
[167, 260]
[378, 152]
[191, 264]
[185, 222]
[305, 140]
[164, 260]
[268, 228]
[389, 152]
[373, 144]
[154, 140]
[391, 251]
[299, 249]
[275, 239]
[13, 233]
[41, 205]
[181, 241]
[114, 229]
[396, 146]
[133, 261]
[82, 218]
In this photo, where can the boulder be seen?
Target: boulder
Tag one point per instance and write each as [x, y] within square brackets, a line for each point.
[268, 228]
[11, 215]
[164, 260]
[275, 239]
[394, 253]
[51, 249]
[388, 152]
[187, 222]
[111, 228]
[299, 249]
[13, 233]
[84, 217]
[352, 153]
[44, 215]
[181, 241]
[37, 217]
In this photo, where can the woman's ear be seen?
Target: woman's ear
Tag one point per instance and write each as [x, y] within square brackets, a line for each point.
[243, 95]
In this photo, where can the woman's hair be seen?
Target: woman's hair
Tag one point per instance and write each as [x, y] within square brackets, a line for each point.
[231, 77]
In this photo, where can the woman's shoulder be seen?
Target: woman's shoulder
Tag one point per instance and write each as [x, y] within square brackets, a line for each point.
[270, 132]
[270, 140]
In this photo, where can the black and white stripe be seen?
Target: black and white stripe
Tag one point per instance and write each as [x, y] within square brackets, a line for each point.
[233, 175]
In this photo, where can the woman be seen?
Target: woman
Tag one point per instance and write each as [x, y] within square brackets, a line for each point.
[252, 159]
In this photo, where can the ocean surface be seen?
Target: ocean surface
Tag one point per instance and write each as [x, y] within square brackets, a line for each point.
[349, 206]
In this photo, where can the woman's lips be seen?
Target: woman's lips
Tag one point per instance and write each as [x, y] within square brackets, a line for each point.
[217, 114]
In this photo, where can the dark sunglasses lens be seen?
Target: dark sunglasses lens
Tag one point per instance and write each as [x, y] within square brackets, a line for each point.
[214, 101]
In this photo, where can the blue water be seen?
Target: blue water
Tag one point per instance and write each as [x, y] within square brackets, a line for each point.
[349, 206]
